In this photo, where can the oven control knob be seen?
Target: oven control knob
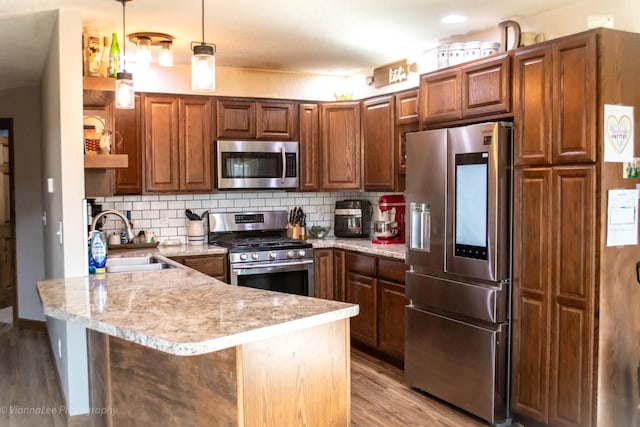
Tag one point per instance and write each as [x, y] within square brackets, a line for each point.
[244, 257]
[255, 256]
[290, 254]
[273, 255]
[301, 253]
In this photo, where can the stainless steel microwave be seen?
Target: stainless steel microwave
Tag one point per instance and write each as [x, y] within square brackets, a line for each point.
[243, 165]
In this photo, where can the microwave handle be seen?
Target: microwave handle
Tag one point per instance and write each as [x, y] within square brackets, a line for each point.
[284, 165]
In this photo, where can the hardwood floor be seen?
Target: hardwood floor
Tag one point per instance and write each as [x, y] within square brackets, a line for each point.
[28, 387]
[379, 397]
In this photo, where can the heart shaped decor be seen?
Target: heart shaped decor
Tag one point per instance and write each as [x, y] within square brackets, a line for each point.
[619, 132]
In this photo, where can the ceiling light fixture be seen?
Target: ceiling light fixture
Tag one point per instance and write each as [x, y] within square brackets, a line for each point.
[125, 98]
[453, 19]
[203, 63]
[145, 40]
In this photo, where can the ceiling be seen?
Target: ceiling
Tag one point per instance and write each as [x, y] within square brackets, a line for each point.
[334, 37]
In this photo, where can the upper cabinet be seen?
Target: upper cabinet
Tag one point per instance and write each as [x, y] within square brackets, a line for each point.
[178, 143]
[477, 89]
[310, 150]
[128, 140]
[379, 144]
[240, 118]
[574, 99]
[555, 101]
[406, 107]
[340, 133]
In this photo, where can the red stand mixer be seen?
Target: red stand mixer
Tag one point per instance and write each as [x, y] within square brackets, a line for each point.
[389, 224]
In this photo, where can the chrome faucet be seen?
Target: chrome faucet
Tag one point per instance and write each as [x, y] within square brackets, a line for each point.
[130, 234]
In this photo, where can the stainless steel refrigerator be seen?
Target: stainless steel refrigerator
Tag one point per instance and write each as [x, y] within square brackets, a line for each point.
[458, 193]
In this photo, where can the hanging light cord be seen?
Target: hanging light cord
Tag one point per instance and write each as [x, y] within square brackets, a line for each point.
[203, 22]
[124, 44]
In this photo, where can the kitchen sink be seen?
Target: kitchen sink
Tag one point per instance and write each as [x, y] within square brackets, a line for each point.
[131, 264]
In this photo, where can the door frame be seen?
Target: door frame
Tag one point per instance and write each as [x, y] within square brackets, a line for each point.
[7, 123]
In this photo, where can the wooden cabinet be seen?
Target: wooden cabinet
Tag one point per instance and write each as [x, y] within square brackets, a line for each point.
[178, 143]
[236, 119]
[377, 285]
[341, 149]
[362, 288]
[379, 144]
[276, 120]
[339, 272]
[571, 355]
[310, 150]
[555, 102]
[553, 301]
[406, 107]
[477, 89]
[211, 265]
[128, 140]
[392, 302]
[323, 280]
[239, 118]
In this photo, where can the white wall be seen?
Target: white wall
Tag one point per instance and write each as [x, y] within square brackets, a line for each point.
[63, 162]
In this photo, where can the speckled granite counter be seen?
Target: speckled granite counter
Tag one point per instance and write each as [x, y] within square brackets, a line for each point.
[181, 311]
[394, 250]
[169, 251]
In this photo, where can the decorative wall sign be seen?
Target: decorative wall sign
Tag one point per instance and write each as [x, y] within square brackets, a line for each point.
[390, 74]
[618, 133]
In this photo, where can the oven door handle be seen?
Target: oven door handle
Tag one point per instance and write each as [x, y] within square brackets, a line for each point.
[284, 165]
[239, 268]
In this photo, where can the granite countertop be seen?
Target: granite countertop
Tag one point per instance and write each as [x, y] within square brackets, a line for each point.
[392, 250]
[169, 250]
[181, 311]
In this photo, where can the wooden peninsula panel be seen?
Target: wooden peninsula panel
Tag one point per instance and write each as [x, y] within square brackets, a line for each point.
[299, 378]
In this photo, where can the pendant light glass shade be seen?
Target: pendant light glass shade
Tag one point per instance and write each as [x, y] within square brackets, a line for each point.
[203, 68]
[143, 51]
[125, 98]
[165, 58]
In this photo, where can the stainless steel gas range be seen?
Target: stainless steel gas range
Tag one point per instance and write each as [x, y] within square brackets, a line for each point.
[260, 253]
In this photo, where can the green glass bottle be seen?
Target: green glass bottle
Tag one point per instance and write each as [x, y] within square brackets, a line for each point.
[114, 56]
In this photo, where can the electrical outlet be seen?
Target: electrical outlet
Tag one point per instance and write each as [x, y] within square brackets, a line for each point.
[596, 21]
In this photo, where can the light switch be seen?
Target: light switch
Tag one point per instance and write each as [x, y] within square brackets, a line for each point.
[50, 185]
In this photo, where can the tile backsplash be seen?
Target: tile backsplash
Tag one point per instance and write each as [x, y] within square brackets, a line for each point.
[164, 214]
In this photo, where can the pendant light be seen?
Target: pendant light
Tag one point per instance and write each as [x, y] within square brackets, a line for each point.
[125, 98]
[203, 63]
[165, 57]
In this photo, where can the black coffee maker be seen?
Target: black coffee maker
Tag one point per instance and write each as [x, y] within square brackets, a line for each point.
[352, 218]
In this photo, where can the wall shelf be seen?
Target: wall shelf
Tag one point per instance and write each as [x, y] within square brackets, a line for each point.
[105, 161]
[98, 83]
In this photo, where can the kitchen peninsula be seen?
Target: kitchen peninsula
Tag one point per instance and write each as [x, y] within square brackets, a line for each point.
[179, 346]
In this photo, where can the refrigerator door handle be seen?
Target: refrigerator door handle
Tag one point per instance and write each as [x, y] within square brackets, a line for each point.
[420, 227]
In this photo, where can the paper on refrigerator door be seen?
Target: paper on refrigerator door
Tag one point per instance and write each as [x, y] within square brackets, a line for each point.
[622, 218]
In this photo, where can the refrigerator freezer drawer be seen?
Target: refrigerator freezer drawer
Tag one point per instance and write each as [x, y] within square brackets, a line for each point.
[458, 362]
[487, 303]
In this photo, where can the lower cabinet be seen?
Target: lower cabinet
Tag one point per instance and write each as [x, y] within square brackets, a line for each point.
[376, 284]
[392, 301]
[211, 265]
[323, 282]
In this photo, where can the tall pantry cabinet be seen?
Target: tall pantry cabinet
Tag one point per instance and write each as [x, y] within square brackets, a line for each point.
[576, 320]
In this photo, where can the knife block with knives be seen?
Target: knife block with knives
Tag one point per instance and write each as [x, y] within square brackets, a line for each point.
[297, 226]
